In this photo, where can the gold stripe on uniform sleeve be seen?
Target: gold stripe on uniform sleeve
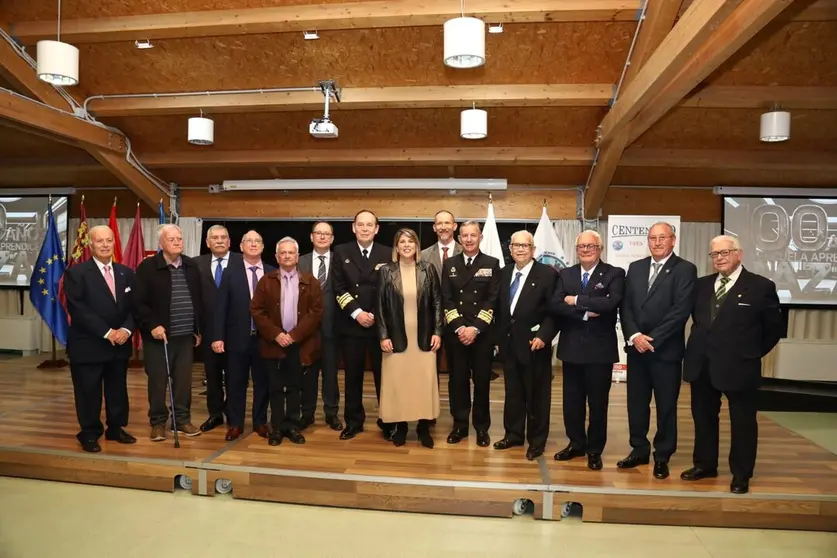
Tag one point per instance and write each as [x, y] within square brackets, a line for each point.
[451, 315]
[344, 300]
[486, 315]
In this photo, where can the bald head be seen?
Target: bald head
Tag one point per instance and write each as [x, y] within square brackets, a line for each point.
[101, 242]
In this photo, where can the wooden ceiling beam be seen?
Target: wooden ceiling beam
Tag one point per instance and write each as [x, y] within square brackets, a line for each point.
[659, 18]
[729, 160]
[38, 116]
[451, 96]
[748, 97]
[321, 17]
[820, 10]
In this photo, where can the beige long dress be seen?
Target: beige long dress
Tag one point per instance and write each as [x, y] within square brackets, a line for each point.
[409, 389]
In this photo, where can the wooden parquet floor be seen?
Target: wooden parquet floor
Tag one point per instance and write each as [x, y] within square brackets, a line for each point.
[795, 484]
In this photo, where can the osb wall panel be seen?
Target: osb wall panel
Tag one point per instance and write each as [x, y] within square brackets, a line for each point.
[723, 177]
[97, 203]
[17, 144]
[583, 52]
[692, 128]
[692, 205]
[785, 54]
[531, 127]
[564, 176]
[56, 175]
[512, 204]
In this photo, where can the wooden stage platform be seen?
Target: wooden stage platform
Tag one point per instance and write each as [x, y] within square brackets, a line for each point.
[795, 486]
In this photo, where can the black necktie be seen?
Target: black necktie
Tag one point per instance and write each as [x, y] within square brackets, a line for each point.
[365, 254]
[468, 263]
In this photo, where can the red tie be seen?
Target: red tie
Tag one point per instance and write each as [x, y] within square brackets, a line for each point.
[444, 253]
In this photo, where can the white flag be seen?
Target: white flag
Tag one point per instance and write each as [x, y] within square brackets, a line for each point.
[548, 249]
[491, 238]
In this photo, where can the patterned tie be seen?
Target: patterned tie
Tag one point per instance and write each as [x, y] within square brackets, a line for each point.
[254, 280]
[219, 272]
[109, 281]
[656, 267]
[444, 253]
[720, 295]
[321, 273]
[514, 286]
[584, 278]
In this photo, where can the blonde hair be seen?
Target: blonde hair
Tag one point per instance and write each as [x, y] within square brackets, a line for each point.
[411, 234]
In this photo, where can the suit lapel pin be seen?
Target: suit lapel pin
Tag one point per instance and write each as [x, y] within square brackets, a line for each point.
[739, 296]
[347, 260]
[668, 270]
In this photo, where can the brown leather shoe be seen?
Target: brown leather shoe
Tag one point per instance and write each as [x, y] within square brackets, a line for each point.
[188, 429]
[262, 431]
[158, 433]
[233, 434]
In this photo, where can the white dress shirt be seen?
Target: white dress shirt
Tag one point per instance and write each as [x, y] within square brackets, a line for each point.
[225, 259]
[101, 267]
[589, 278]
[316, 263]
[451, 247]
[524, 274]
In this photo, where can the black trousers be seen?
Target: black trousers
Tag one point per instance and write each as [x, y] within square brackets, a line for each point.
[240, 367]
[285, 390]
[88, 382]
[325, 367]
[528, 397]
[355, 350]
[647, 375]
[214, 366]
[470, 363]
[587, 385]
[181, 356]
[743, 407]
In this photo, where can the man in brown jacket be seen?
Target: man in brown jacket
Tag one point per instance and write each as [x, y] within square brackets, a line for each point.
[287, 307]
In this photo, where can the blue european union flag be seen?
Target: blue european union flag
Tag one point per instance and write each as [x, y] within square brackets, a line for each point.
[43, 286]
[161, 212]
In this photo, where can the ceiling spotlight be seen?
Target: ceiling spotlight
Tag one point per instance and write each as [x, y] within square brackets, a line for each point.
[143, 44]
[473, 124]
[201, 130]
[775, 126]
[310, 35]
[464, 42]
[494, 29]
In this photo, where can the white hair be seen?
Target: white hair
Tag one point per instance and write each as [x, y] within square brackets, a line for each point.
[286, 240]
[596, 235]
[161, 230]
[663, 224]
[214, 228]
[99, 228]
[523, 232]
[728, 238]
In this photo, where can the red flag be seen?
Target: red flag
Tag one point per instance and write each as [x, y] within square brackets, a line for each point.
[117, 243]
[134, 254]
[78, 254]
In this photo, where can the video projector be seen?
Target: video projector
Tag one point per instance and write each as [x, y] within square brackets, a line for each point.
[322, 128]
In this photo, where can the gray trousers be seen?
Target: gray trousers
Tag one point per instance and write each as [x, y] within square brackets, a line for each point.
[181, 355]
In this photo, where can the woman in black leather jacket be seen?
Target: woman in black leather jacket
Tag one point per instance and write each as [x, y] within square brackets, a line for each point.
[409, 321]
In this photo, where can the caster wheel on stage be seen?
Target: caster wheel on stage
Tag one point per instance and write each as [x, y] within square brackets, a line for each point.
[521, 505]
[183, 481]
[223, 486]
[566, 508]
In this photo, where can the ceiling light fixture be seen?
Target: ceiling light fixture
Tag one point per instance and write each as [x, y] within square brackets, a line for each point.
[473, 123]
[464, 41]
[144, 44]
[775, 126]
[57, 61]
[494, 29]
[201, 130]
[310, 35]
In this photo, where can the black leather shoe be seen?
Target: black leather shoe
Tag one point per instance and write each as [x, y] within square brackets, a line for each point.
[91, 446]
[533, 453]
[738, 486]
[121, 437]
[306, 422]
[632, 461]
[697, 473]
[334, 423]
[568, 453]
[660, 470]
[295, 436]
[505, 443]
[425, 438]
[483, 439]
[456, 435]
[212, 423]
[594, 461]
[399, 437]
[275, 438]
[350, 432]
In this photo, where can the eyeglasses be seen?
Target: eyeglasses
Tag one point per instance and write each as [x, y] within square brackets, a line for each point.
[586, 246]
[322, 234]
[661, 238]
[251, 241]
[721, 253]
[517, 246]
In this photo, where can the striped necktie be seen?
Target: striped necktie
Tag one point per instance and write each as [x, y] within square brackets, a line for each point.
[720, 295]
[656, 267]
[321, 273]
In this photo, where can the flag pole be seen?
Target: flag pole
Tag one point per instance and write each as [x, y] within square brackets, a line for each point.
[54, 363]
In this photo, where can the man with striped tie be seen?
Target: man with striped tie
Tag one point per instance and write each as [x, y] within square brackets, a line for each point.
[737, 321]
[318, 264]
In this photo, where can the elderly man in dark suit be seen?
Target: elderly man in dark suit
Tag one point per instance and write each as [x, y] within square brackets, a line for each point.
[212, 267]
[736, 322]
[524, 332]
[318, 263]
[99, 305]
[586, 301]
[234, 334]
[659, 291]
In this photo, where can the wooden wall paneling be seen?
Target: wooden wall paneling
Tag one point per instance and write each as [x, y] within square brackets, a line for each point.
[97, 204]
[407, 56]
[516, 203]
[762, 97]
[723, 177]
[19, 145]
[694, 204]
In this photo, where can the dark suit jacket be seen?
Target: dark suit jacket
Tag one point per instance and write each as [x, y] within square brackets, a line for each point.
[208, 289]
[469, 296]
[355, 283]
[231, 316]
[747, 326]
[306, 265]
[93, 311]
[592, 341]
[514, 332]
[152, 294]
[661, 312]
